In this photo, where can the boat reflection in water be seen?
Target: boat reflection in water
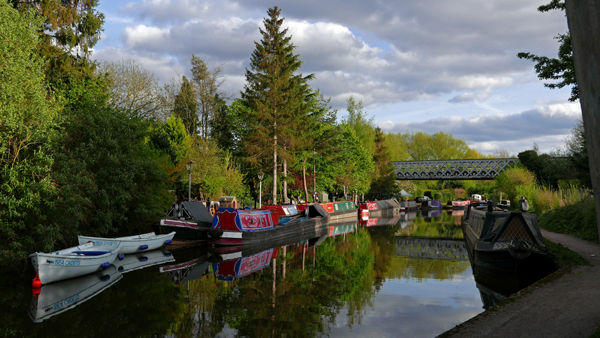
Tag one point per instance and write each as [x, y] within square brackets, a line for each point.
[62, 296]
[380, 221]
[407, 218]
[235, 266]
[428, 214]
[143, 259]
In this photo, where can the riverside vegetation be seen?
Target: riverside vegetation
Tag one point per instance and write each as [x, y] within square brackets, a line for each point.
[101, 149]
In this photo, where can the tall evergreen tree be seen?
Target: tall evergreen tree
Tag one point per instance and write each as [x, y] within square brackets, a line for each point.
[186, 107]
[384, 180]
[275, 94]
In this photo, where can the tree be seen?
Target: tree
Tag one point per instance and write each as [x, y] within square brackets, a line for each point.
[29, 123]
[70, 30]
[578, 153]
[384, 178]
[560, 68]
[363, 126]
[209, 97]
[274, 92]
[133, 88]
[185, 107]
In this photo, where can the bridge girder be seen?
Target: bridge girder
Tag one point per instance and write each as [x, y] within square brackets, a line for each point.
[479, 169]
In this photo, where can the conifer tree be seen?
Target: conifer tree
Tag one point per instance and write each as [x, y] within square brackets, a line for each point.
[275, 94]
[384, 182]
[186, 107]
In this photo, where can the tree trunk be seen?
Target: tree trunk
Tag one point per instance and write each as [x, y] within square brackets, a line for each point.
[286, 200]
[275, 162]
[582, 16]
[304, 180]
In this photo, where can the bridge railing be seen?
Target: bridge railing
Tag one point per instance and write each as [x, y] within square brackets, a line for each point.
[473, 169]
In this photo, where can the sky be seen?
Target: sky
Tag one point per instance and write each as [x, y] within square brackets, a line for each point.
[428, 65]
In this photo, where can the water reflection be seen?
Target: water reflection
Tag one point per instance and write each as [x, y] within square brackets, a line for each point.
[62, 296]
[400, 276]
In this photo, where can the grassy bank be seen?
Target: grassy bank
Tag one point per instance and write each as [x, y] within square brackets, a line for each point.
[578, 219]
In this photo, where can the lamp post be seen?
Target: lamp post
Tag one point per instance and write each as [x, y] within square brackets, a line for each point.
[260, 175]
[190, 166]
[314, 177]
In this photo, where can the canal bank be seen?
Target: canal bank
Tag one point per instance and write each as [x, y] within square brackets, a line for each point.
[564, 304]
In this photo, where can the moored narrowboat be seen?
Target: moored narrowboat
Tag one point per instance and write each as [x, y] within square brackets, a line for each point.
[431, 205]
[250, 227]
[458, 205]
[406, 206]
[340, 210]
[189, 221]
[504, 242]
[385, 208]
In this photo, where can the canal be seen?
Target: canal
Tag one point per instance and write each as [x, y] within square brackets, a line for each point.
[407, 276]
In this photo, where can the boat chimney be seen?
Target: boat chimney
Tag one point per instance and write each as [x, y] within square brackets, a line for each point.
[490, 205]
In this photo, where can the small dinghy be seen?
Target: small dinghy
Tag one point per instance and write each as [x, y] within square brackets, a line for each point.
[73, 262]
[132, 244]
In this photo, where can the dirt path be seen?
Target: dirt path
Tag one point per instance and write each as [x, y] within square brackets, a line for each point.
[565, 304]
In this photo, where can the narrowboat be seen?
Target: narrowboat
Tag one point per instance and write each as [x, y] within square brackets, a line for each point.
[189, 221]
[132, 244]
[250, 227]
[384, 208]
[502, 242]
[50, 300]
[406, 206]
[457, 205]
[341, 210]
[73, 262]
[431, 205]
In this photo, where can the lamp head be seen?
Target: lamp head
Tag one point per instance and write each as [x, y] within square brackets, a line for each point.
[261, 175]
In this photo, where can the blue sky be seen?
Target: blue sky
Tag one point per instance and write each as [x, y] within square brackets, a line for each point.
[430, 65]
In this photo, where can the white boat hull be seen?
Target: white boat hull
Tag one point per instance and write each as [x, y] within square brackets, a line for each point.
[132, 244]
[65, 264]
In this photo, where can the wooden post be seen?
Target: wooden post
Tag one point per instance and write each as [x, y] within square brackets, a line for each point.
[584, 26]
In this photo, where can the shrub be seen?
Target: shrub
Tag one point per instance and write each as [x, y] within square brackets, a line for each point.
[578, 219]
[459, 193]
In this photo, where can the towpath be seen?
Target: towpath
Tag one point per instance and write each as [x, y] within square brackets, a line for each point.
[564, 304]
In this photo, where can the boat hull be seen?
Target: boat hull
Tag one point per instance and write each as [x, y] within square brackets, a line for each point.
[184, 230]
[60, 265]
[132, 244]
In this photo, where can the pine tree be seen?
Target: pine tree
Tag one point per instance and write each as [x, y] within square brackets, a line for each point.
[384, 182]
[186, 107]
[276, 95]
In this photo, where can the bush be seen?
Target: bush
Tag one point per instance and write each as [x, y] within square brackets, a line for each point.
[459, 193]
[578, 219]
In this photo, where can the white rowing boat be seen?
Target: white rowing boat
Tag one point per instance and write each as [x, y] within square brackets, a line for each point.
[73, 262]
[132, 244]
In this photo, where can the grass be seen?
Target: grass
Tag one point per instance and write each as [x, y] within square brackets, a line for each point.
[563, 256]
[578, 219]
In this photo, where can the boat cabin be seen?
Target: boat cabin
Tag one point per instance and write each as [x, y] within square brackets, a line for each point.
[228, 202]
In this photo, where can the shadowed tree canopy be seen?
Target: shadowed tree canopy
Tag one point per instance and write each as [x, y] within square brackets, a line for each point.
[186, 106]
[560, 68]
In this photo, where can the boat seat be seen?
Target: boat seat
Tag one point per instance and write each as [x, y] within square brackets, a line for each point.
[91, 253]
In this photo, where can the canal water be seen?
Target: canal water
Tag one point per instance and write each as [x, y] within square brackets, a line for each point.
[406, 276]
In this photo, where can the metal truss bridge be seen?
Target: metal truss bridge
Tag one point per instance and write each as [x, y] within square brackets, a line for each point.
[481, 169]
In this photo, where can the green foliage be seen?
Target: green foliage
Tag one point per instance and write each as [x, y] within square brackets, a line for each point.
[185, 107]
[422, 146]
[29, 123]
[363, 126]
[578, 219]
[508, 181]
[561, 68]
[357, 168]
[384, 178]
[563, 256]
[276, 94]
[578, 154]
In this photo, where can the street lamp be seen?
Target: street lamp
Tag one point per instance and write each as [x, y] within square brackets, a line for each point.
[260, 175]
[190, 166]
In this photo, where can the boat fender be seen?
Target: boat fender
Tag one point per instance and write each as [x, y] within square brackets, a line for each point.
[168, 241]
[168, 254]
[36, 292]
[517, 251]
[121, 269]
[105, 265]
[143, 259]
[105, 278]
[143, 247]
[120, 257]
[37, 283]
